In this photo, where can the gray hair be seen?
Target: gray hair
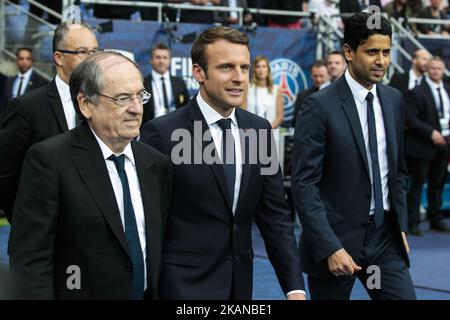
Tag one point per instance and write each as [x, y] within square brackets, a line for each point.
[61, 32]
[87, 78]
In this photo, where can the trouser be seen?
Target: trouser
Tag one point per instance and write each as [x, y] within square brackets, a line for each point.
[384, 273]
[434, 172]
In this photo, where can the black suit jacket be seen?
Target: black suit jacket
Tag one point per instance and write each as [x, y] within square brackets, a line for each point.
[331, 183]
[66, 214]
[422, 119]
[36, 81]
[207, 251]
[400, 81]
[179, 91]
[34, 117]
[298, 102]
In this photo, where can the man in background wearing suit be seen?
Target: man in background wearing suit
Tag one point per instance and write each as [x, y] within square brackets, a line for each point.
[92, 202]
[26, 80]
[208, 250]
[350, 177]
[336, 65]
[427, 145]
[409, 80]
[168, 92]
[43, 112]
[320, 78]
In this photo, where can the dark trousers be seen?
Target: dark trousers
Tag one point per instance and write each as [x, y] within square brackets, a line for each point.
[381, 249]
[434, 172]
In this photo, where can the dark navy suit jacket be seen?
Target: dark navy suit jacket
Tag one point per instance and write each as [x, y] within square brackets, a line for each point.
[331, 183]
[207, 252]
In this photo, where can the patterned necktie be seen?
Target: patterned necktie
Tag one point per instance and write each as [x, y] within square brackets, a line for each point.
[376, 175]
[131, 231]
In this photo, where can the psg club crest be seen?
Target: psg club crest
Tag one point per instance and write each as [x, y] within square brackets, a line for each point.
[291, 80]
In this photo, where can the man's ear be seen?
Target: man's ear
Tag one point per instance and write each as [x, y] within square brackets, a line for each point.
[348, 52]
[198, 73]
[57, 57]
[85, 105]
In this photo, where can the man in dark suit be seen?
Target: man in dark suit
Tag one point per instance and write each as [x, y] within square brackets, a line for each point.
[427, 145]
[92, 202]
[207, 251]
[26, 80]
[349, 175]
[320, 78]
[168, 92]
[43, 112]
[409, 80]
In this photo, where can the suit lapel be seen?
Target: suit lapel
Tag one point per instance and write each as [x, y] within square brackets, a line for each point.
[246, 167]
[430, 98]
[389, 128]
[196, 117]
[57, 107]
[148, 182]
[349, 106]
[89, 161]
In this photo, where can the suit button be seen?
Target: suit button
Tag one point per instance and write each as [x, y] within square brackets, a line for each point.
[235, 226]
[229, 259]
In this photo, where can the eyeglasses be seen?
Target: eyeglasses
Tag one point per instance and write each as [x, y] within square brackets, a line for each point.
[123, 101]
[81, 52]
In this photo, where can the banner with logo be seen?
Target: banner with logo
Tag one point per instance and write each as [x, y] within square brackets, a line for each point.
[291, 52]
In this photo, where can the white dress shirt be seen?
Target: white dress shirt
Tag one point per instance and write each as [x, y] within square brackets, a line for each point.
[135, 192]
[211, 116]
[445, 119]
[26, 78]
[359, 94]
[412, 80]
[66, 100]
[158, 96]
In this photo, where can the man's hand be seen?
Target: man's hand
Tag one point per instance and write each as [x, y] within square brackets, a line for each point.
[405, 242]
[437, 138]
[341, 263]
[296, 296]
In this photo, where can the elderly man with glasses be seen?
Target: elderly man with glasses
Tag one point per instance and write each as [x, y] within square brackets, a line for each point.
[92, 202]
[44, 112]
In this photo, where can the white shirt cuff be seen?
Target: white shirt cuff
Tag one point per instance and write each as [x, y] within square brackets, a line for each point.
[296, 291]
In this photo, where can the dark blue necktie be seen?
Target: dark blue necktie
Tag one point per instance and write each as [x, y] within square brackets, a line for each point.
[131, 231]
[376, 175]
[228, 155]
[441, 103]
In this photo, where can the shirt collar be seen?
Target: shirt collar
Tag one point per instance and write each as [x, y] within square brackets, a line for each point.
[211, 115]
[157, 76]
[63, 89]
[25, 75]
[358, 91]
[433, 84]
[413, 76]
[107, 152]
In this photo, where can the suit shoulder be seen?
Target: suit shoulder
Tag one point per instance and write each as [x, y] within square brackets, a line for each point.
[150, 153]
[254, 120]
[33, 98]
[56, 144]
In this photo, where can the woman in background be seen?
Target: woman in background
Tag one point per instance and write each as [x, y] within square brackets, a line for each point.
[263, 97]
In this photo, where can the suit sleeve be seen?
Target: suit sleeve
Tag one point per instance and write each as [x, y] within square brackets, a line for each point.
[402, 173]
[414, 123]
[15, 139]
[167, 193]
[151, 135]
[32, 239]
[277, 229]
[307, 160]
